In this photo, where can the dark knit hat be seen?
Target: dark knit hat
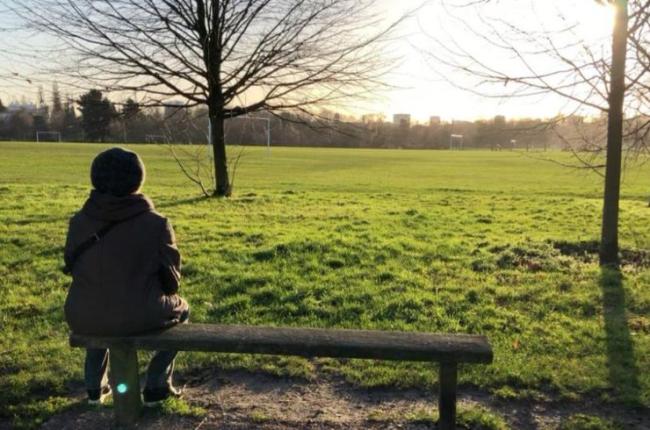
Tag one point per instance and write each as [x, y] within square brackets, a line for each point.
[118, 172]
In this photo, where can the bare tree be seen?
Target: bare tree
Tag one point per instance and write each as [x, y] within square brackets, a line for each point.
[613, 83]
[615, 99]
[233, 56]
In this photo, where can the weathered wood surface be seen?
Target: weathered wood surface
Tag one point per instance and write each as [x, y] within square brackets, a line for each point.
[447, 398]
[370, 344]
[126, 386]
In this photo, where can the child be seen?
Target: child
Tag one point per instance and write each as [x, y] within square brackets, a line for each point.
[125, 269]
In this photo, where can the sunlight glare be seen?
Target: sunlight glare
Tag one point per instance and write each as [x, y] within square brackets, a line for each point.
[596, 21]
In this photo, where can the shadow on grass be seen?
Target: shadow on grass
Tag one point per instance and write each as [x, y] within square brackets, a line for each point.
[39, 219]
[188, 201]
[587, 251]
[623, 371]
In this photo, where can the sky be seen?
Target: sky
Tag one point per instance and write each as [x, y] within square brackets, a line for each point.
[421, 86]
[427, 89]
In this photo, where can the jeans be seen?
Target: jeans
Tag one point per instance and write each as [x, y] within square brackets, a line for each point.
[159, 372]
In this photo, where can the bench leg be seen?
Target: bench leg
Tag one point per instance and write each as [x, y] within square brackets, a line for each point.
[447, 399]
[126, 386]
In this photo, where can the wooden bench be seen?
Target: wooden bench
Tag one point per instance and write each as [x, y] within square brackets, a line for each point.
[448, 350]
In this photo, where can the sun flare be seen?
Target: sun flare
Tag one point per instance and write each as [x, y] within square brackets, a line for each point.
[595, 21]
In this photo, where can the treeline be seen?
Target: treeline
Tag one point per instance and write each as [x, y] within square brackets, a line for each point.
[90, 118]
[94, 118]
[455, 135]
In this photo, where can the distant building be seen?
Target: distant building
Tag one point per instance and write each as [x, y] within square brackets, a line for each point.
[15, 107]
[373, 118]
[26, 107]
[434, 121]
[402, 119]
[575, 119]
[500, 120]
[173, 107]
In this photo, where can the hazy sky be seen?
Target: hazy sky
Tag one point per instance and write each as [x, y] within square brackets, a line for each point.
[424, 88]
[429, 93]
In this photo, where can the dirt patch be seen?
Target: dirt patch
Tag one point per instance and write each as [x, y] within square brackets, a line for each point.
[587, 251]
[241, 400]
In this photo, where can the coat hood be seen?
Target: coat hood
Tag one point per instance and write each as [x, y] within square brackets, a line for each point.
[106, 207]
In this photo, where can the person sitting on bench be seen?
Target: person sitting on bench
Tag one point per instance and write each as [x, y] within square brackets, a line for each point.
[125, 270]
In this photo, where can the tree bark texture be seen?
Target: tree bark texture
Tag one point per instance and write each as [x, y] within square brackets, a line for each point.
[609, 232]
[222, 186]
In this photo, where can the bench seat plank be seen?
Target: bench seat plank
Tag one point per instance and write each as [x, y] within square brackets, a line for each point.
[306, 342]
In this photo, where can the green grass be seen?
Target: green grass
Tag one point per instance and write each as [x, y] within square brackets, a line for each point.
[479, 242]
[474, 418]
[588, 422]
[176, 406]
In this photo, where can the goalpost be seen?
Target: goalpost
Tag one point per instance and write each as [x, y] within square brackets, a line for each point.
[266, 121]
[156, 138]
[456, 140]
[42, 136]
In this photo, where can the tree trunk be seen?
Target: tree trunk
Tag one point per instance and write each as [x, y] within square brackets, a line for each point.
[218, 142]
[609, 232]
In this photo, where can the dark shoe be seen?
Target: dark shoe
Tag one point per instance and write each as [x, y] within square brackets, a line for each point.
[155, 396]
[97, 397]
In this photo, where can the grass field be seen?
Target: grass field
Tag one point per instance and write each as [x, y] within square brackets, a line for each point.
[493, 243]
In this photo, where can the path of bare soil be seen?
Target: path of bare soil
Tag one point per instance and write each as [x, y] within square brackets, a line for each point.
[241, 400]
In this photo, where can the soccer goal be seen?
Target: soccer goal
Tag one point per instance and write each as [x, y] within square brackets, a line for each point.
[456, 141]
[156, 138]
[247, 130]
[48, 136]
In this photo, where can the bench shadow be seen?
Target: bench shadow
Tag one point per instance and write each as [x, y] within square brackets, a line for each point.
[520, 412]
[622, 367]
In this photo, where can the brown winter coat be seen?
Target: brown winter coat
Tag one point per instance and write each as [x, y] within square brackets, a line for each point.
[128, 281]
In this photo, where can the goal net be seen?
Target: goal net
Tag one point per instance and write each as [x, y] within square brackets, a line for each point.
[456, 141]
[248, 131]
[156, 138]
[48, 136]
